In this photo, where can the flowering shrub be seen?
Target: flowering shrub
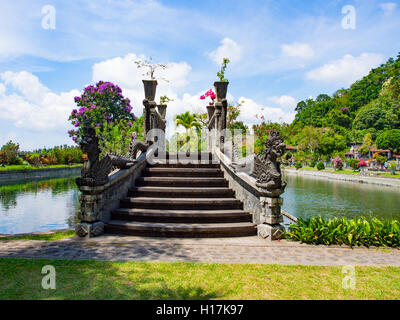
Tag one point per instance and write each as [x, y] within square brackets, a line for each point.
[338, 163]
[361, 163]
[102, 106]
[210, 93]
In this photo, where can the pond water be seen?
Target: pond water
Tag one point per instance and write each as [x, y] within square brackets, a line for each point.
[39, 205]
[311, 196]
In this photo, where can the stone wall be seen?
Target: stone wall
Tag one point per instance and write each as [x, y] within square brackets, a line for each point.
[15, 175]
[98, 202]
[266, 211]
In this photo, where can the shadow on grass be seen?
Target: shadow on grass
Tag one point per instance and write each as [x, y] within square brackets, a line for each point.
[80, 279]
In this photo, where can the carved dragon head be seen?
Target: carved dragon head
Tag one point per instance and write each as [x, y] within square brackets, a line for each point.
[274, 146]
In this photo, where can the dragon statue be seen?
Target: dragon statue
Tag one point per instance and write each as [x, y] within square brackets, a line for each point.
[95, 171]
[267, 167]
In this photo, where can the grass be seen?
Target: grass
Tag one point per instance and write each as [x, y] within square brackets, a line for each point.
[21, 279]
[45, 236]
[29, 167]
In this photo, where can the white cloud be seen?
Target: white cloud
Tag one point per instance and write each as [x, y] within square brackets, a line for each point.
[123, 71]
[346, 70]
[388, 7]
[228, 49]
[250, 109]
[2, 89]
[286, 102]
[32, 105]
[298, 50]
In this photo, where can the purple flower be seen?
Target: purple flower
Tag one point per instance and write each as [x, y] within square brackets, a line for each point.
[134, 135]
[77, 99]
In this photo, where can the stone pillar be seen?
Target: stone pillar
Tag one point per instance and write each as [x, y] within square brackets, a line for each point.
[218, 124]
[89, 215]
[269, 226]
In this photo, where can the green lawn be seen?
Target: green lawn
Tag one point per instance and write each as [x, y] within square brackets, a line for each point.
[21, 279]
[48, 237]
[28, 167]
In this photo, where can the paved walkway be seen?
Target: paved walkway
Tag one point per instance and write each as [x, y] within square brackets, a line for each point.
[217, 250]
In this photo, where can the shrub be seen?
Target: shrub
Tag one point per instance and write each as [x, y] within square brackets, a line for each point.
[312, 164]
[380, 159]
[3, 158]
[10, 153]
[361, 163]
[320, 166]
[103, 107]
[354, 163]
[338, 163]
[353, 232]
[392, 167]
[298, 165]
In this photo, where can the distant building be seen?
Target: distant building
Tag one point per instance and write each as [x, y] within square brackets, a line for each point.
[291, 149]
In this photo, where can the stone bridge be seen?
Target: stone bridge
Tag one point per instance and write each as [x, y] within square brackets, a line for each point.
[153, 192]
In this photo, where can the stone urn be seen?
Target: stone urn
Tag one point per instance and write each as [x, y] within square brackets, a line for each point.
[150, 89]
[221, 88]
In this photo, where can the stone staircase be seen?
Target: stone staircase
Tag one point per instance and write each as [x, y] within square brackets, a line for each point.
[177, 200]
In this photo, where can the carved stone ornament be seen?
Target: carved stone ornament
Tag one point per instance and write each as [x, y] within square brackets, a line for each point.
[267, 167]
[95, 171]
[136, 145]
[84, 229]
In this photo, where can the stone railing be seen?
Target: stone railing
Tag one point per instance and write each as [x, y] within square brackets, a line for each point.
[264, 206]
[97, 202]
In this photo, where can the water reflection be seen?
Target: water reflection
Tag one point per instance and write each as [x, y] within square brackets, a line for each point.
[38, 205]
[310, 196]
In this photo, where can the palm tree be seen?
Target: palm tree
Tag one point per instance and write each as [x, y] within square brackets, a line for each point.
[188, 121]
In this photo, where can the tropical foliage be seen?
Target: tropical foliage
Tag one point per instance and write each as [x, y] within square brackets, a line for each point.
[342, 231]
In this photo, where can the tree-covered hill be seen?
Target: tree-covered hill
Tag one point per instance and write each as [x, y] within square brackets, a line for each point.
[370, 105]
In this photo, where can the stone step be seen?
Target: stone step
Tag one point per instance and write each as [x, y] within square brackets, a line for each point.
[181, 192]
[182, 181]
[181, 229]
[182, 172]
[182, 216]
[181, 203]
[185, 165]
[181, 156]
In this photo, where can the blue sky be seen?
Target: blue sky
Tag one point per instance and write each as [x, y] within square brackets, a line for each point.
[281, 52]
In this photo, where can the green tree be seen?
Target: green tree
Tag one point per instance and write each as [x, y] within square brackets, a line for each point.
[310, 138]
[368, 143]
[188, 121]
[389, 140]
[331, 142]
[10, 153]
